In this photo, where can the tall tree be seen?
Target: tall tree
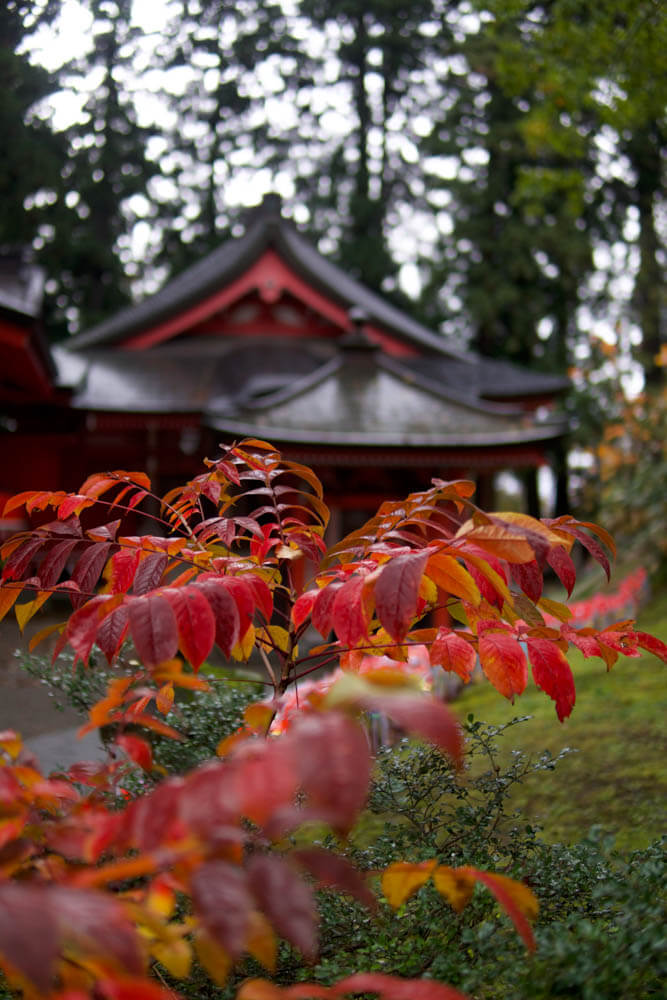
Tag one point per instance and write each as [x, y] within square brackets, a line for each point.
[514, 248]
[604, 63]
[106, 166]
[32, 155]
[380, 72]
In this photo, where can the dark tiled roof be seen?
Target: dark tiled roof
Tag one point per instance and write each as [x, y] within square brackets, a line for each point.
[184, 376]
[231, 259]
[266, 229]
[486, 378]
[375, 400]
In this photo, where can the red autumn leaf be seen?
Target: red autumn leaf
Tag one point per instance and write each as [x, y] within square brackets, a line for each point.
[585, 640]
[393, 988]
[286, 900]
[333, 760]
[29, 933]
[225, 612]
[154, 629]
[84, 624]
[561, 563]
[112, 632]
[552, 674]
[424, 717]
[453, 653]
[591, 545]
[261, 594]
[195, 621]
[96, 923]
[73, 504]
[516, 900]
[528, 576]
[20, 559]
[266, 779]
[303, 607]
[208, 803]
[223, 903]
[153, 819]
[503, 662]
[348, 613]
[90, 565]
[137, 749]
[397, 591]
[323, 607]
[335, 871]
[242, 593]
[652, 645]
[125, 988]
[55, 561]
[488, 573]
[149, 572]
[123, 567]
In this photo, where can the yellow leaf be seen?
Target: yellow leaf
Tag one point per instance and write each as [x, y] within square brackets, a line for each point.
[555, 609]
[161, 899]
[402, 879]
[164, 698]
[258, 715]
[8, 596]
[215, 959]
[242, 650]
[428, 590]
[261, 942]
[24, 612]
[259, 989]
[453, 578]
[454, 885]
[44, 634]
[175, 955]
[11, 743]
[530, 524]
[497, 540]
[272, 637]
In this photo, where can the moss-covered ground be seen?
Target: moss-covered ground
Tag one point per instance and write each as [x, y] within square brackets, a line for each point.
[616, 776]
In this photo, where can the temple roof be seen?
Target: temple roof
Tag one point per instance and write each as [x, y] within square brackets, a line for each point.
[267, 229]
[372, 399]
[266, 337]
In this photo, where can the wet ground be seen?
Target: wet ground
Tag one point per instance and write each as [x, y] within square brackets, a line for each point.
[27, 706]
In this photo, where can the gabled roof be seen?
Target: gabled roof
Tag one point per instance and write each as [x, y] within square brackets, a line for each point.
[268, 230]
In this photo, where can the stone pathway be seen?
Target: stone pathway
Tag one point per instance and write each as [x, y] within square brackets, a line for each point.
[26, 706]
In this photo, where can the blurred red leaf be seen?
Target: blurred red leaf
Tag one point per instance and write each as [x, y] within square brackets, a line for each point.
[286, 900]
[223, 903]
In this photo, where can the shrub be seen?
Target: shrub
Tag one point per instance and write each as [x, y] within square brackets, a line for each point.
[103, 879]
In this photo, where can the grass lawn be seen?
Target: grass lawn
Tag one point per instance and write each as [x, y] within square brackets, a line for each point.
[618, 776]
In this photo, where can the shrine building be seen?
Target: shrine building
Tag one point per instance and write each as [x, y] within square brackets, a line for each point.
[265, 337]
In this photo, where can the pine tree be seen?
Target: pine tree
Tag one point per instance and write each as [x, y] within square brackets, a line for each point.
[32, 155]
[107, 165]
